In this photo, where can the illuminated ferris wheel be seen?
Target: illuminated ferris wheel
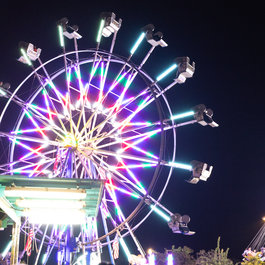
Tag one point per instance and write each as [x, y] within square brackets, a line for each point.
[87, 146]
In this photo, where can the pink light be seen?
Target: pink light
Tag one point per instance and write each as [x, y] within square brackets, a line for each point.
[32, 152]
[35, 124]
[25, 146]
[133, 177]
[47, 104]
[101, 83]
[136, 166]
[30, 130]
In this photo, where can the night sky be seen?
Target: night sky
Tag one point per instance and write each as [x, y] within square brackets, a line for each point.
[226, 42]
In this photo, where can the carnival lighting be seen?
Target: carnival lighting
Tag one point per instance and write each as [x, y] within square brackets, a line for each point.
[170, 259]
[89, 137]
[61, 38]
[159, 212]
[183, 115]
[6, 250]
[137, 43]
[166, 72]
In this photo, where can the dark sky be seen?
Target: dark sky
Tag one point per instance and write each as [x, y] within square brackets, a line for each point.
[226, 42]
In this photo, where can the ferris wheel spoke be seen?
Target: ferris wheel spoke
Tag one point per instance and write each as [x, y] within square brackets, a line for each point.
[143, 135]
[35, 167]
[32, 139]
[121, 215]
[134, 188]
[35, 112]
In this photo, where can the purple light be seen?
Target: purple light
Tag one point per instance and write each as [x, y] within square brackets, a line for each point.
[170, 259]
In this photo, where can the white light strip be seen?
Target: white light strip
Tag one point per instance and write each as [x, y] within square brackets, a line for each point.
[183, 115]
[125, 248]
[180, 165]
[55, 216]
[137, 43]
[45, 193]
[6, 250]
[63, 204]
[163, 215]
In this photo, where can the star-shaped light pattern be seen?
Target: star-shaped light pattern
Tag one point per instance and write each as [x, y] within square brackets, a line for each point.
[99, 117]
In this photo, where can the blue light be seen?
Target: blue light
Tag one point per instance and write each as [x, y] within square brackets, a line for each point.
[183, 115]
[60, 29]
[166, 72]
[137, 43]
[102, 23]
[163, 215]
[181, 165]
[4, 253]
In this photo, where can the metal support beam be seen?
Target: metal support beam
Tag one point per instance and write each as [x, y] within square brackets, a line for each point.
[15, 244]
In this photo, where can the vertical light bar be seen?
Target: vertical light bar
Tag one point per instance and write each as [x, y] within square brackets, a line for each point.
[183, 115]
[170, 259]
[6, 250]
[25, 56]
[151, 259]
[166, 72]
[159, 212]
[61, 38]
[125, 248]
[102, 22]
[137, 43]
[180, 165]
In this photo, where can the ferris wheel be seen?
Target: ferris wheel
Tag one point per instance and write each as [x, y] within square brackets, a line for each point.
[89, 135]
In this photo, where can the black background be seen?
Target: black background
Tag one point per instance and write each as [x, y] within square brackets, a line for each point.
[226, 42]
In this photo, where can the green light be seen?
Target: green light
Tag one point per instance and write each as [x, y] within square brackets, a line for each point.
[60, 29]
[166, 72]
[163, 215]
[102, 22]
[183, 115]
[125, 248]
[44, 258]
[6, 250]
[2, 92]
[180, 165]
[137, 43]
[25, 56]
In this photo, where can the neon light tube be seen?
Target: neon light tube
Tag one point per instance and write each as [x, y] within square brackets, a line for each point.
[60, 29]
[44, 258]
[125, 248]
[2, 92]
[170, 259]
[183, 115]
[180, 165]
[137, 43]
[43, 193]
[55, 216]
[102, 22]
[6, 250]
[166, 72]
[25, 56]
[64, 204]
[162, 214]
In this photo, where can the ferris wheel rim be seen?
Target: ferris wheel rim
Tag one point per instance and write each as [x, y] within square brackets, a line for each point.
[119, 60]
